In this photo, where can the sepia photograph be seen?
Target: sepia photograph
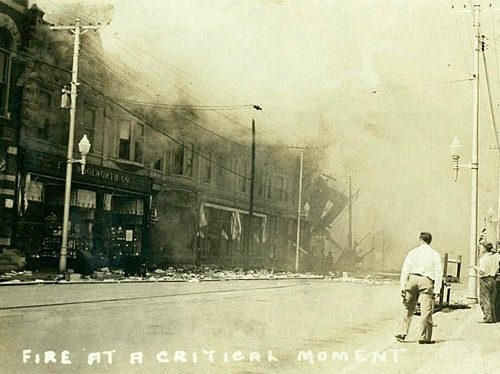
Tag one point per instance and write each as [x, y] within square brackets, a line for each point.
[249, 186]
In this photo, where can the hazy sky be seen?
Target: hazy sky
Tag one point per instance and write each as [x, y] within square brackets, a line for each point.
[385, 81]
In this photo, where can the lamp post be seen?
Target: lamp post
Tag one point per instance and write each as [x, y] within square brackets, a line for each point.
[455, 147]
[299, 212]
[84, 148]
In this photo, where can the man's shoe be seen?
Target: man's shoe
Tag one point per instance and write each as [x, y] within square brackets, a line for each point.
[400, 338]
[422, 341]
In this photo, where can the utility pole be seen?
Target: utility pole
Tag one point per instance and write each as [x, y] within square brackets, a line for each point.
[299, 210]
[472, 276]
[77, 30]
[497, 135]
[252, 190]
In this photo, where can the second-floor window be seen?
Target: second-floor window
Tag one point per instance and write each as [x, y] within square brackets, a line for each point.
[177, 159]
[158, 164]
[138, 142]
[220, 176]
[124, 142]
[269, 189]
[45, 99]
[242, 178]
[189, 152]
[207, 174]
[281, 186]
[259, 184]
[182, 159]
[131, 141]
[89, 123]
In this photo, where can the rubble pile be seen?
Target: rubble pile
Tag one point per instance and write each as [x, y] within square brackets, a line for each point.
[369, 279]
[13, 276]
[170, 274]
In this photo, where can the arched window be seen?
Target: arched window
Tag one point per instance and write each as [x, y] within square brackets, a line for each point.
[6, 43]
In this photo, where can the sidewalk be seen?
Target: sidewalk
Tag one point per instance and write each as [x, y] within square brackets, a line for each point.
[463, 343]
[471, 347]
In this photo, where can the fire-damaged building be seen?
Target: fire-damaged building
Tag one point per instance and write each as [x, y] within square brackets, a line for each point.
[157, 187]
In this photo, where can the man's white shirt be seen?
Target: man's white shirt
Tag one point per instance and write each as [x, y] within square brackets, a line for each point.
[488, 263]
[425, 261]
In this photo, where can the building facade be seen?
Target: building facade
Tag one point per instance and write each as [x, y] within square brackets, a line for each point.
[14, 21]
[155, 188]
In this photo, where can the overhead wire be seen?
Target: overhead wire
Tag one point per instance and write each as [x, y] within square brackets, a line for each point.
[459, 28]
[173, 139]
[160, 71]
[179, 114]
[154, 128]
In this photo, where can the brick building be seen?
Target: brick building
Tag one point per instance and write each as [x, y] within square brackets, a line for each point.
[154, 187]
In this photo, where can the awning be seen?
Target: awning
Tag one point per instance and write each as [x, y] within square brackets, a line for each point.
[128, 206]
[83, 198]
[34, 192]
[232, 209]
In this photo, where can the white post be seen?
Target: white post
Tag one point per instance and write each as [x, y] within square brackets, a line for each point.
[69, 158]
[472, 276]
[77, 30]
[299, 212]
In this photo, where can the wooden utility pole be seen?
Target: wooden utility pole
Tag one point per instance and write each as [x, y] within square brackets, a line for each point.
[77, 30]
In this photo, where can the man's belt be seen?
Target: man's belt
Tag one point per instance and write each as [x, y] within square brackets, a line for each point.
[420, 275]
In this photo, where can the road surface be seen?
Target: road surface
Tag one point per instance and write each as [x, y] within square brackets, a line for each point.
[285, 326]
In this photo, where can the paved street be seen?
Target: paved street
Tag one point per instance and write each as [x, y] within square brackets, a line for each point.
[347, 327]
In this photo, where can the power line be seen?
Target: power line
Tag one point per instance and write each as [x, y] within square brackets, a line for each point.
[179, 142]
[162, 69]
[180, 115]
[142, 120]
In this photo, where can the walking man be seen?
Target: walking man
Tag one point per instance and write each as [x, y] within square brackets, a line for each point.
[421, 278]
[488, 266]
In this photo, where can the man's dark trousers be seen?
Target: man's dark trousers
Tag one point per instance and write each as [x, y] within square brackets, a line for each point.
[487, 296]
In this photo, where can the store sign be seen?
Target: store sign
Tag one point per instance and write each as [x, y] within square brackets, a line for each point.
[38, 162]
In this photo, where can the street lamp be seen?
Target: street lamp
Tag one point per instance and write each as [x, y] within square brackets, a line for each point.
[84, 148]
[455, 147]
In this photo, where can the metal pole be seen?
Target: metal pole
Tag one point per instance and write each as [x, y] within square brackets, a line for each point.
[69, 159]
[472, 276]
[299, 211]
[497, 139]
[252, 189]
